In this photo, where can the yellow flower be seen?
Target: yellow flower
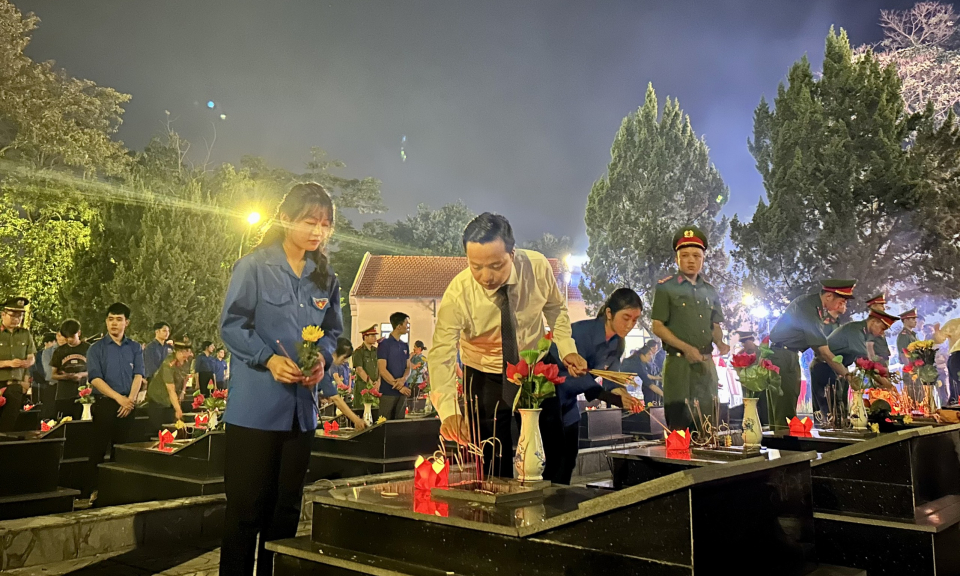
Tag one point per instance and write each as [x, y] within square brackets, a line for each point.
[180, 425]
[875, 428]
[381, 419]
[908, 419]
[312, 333]
[919, 344]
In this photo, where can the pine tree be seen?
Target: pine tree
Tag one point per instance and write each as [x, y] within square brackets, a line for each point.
[659, 179]
[843, 186]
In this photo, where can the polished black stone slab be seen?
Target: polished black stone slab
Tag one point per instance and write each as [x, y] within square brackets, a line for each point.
[601, 422]
[386, 447]
[140, 473]
[57, 501]
[28, 419]
[665, 526]
[639, 465]
[815, 440]
[642, 425]
[30, 465]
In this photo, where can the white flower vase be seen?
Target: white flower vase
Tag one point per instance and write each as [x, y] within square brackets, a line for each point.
[368, 413]
[752, 429]
[857, 413]
[87, 415]
[529, 460]
[212, 420]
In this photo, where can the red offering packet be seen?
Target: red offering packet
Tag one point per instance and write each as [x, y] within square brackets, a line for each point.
[678, 440]
[201, 420]
[433, 472]
[165, 438]
[798, 426]
[329, 427]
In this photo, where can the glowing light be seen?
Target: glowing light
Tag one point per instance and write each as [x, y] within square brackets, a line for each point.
[253, 218]
[748, 299]
[720, 198]
[575, 260]
[760, 312]
[223, 116]
[210, 104]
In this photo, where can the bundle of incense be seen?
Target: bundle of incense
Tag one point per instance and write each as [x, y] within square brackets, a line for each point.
[620, 378]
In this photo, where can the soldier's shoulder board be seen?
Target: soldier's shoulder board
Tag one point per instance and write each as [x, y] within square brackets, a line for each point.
[668, 278]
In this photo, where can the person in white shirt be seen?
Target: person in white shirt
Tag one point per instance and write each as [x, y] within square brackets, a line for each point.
[500, 283]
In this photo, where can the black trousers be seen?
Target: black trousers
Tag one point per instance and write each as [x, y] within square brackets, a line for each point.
[487, 410]
[48, 401]
[264, 475]
[11, 410]
[561, 444]
[953, 372]
[108, 429]
[204, 379]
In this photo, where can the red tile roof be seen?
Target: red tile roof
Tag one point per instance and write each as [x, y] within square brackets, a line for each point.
[418, 276]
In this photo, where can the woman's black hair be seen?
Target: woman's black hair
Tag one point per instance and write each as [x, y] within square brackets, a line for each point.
[301, 200]
[487, 228]
[621, 299]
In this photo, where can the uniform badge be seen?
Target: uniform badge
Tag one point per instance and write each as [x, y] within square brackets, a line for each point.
[321, 303]
[688, 233]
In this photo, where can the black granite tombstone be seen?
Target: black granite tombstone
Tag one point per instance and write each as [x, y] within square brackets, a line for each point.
[891, 504]
[29, 475]
[602, 427]
[643, 425]
[387, 447]
[140, 472]
[684, 523]
[28, 420]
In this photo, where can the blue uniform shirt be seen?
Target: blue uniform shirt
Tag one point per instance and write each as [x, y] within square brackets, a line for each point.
[204, 363]
[115, 364]
[600, 354]
[153, 356]
[396, 353]
[266, 302]
[219, 370]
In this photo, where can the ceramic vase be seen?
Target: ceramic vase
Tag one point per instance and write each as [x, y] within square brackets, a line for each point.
[212, 421]
[931, 400]
[752, 429]
[87, 415]
[857, 412]
[529, 460]
[368, 413]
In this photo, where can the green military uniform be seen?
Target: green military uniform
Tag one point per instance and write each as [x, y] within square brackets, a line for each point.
[800, 327]
[168, 373]
[904, 339]
[366, 359]
[881, 348]
[15, 344]
[689, 309]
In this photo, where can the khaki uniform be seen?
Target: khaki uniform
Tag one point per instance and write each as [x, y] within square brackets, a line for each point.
[16, 344]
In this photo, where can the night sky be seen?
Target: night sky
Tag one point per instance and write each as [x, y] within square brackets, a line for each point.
[510, 106]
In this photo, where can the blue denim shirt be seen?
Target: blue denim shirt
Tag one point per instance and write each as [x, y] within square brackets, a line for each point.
[153, 356]
[115, 364]
[266, 303]
[220, 370]
[600, 354]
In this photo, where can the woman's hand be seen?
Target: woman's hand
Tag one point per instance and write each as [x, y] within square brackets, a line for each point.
[284, 370]
[358, 423]
[315, 375]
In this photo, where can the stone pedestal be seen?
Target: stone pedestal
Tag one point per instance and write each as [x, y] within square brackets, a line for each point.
[28, 420]
[686, 523]
[601, 427]
[140, 473]
[387, 447]
[29, 475]
[891, 504]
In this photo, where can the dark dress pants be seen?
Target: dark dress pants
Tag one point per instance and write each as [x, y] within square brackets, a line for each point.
[561, 445]
[264, 475]
[488, 412]
[108, 429]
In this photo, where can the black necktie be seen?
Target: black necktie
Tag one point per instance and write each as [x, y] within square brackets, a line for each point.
[508, 336]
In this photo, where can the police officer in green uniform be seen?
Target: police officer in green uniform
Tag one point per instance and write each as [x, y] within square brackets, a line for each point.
[686, 317]
[365, 365]
[877, 346]
[17, 354]
[800, 327]
[907, 336]
[850, 342]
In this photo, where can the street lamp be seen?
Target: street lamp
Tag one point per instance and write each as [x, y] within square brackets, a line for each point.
[252, 220]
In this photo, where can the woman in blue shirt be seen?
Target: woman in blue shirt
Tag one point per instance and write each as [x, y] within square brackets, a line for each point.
[281, 287]
[601, 342]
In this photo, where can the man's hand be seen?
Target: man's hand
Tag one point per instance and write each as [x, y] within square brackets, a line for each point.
[178, 412]
[358, 423]
[723, 348]
[629, 402]
[405, 391]
[316, 375]
[575, 364]
[126, 405]
[284, 370]
[692, 355]
[18, 363]
[455, 428]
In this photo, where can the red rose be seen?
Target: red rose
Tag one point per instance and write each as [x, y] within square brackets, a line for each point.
[882, 370]
[549, 335]
[864, 364]
[744, 360]
[86, 392]
[422, 385]
[766, 340]
[918, 363]
[768, 365]
[220, 394]
[198, 401]
[908, 368]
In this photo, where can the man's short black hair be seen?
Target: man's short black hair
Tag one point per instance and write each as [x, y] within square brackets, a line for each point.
[397, 318]
[69, 328]
[49, 337]
[160, 326]
[205, 344]
[646, 349]
[489, 227]
[119, 309]
[344, 347]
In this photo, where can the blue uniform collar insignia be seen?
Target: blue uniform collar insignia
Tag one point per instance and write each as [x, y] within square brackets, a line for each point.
[321, 303]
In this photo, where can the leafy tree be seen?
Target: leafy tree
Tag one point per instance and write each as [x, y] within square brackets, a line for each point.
[551, 246]
[659, 179]
[845, 196]
[438, 232]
